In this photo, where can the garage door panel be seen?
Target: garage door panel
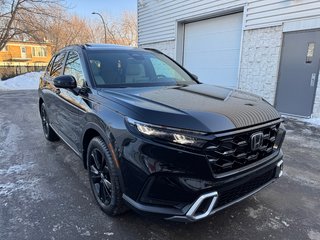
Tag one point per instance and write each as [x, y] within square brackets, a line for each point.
[227, 80]
[218, 24]
[212, 49]
[228, 38]
[224, 57]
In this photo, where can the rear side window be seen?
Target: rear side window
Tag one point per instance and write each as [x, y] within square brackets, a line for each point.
[48, 69]
[57, 65]
[73, 68]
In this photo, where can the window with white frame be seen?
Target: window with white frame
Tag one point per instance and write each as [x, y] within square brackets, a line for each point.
[39, 51]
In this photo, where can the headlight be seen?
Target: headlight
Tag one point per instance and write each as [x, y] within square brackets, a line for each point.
[168, 134]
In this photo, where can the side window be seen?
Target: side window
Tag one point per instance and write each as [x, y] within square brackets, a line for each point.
[57, 65]
[73, 67]
[48, 69]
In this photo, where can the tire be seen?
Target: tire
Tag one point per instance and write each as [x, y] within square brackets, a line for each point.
[103, 178]
[49, 133]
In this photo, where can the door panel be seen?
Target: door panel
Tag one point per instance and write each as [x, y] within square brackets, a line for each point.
[71, 106]
[23, 52]
[50, 91]
[299, 70]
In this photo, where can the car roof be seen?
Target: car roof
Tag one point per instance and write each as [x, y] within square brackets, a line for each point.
[97, 46]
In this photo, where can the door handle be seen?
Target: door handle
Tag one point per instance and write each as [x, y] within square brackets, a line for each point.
[313, 79]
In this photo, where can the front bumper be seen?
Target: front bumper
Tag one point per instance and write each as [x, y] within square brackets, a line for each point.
[218, 196]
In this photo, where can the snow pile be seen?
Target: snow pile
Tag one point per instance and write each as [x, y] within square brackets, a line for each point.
[314, 121]
[22, 82]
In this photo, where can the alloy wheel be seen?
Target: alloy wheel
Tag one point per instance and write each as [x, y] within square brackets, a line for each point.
[100, 176]
[44, 120]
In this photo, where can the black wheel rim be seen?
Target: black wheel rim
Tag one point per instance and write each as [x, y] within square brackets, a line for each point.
[45, 123]
[100, 176]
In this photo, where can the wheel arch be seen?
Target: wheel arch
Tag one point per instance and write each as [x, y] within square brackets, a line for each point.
[91, 130]
[94, 130]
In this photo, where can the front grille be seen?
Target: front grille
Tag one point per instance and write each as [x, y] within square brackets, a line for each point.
[231, 152]
[237, 192]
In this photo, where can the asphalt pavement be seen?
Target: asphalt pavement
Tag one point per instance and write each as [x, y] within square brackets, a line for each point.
[45, 194]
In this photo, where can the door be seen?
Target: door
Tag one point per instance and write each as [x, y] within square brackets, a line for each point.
[72, 103]
[50, 91]
[23, 52]
[212, 49]
[299, 72]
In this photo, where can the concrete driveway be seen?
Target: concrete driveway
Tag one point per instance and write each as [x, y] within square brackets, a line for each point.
[44, 192]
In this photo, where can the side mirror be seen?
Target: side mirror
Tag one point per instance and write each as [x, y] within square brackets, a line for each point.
[195, 76]
[65, 81]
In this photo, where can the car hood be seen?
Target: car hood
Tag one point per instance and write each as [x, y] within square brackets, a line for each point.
[198, 107]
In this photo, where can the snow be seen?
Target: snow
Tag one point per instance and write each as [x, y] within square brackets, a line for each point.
[22, 82]
[314, 121]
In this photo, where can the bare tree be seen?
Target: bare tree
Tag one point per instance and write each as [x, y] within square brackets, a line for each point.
[128, 29]
[119, 31]
[24, 18]
[48, 19]
[66, 30]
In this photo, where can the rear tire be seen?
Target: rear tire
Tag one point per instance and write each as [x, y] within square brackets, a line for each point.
[49, 133]
[103, 178]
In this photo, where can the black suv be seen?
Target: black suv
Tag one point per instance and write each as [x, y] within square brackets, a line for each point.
[153, 137]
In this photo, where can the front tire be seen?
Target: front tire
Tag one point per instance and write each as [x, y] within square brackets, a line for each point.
[49, 133]
[103, 178]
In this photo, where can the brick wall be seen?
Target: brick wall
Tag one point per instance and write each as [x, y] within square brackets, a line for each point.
[261, 50]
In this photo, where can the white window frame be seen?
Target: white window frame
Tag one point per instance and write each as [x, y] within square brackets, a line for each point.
[42, 51]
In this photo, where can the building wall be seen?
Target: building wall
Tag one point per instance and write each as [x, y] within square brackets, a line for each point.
[261, 51]
[316, 107]
[160, 26]
[157, 20]
[13, 51]
[168, 47]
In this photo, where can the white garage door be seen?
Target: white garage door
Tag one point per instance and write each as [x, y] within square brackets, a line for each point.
[212, 49]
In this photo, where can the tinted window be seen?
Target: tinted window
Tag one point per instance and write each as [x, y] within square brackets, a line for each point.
[73, 68]
[48, 69]
[120, 68]
[57, 65]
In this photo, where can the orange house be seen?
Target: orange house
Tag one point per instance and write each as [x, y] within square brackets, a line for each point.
[25, 53]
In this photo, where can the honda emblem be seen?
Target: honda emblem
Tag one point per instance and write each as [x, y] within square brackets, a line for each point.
[256, 141]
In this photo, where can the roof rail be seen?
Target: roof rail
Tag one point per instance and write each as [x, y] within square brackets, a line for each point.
[154, 50]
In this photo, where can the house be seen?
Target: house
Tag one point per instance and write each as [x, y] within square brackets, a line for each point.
[270, 48]
[21, 56]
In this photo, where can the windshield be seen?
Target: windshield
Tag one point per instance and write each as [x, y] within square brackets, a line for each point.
[121, 68]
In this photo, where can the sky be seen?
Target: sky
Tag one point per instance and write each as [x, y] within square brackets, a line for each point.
[113, 7]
